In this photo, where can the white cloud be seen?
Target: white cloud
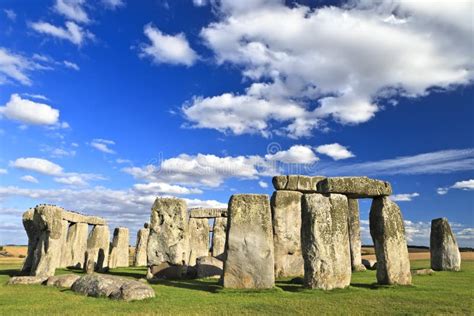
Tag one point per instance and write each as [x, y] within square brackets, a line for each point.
[263, 184]
[103, 145]
[199, 3]
[71, 65]
[72, 32]
[466, 185]
[10, 14]
[121, 161]
[71, 180]
[170, 49]
[15, 67]
[405, 197]
[335, 151]
[3, 171]
[113, 4]
[61, 152]
[297, 154]
[438, 162]
[36, 96]
[331, 62]
[72, 9]
[29, 112]
[38, 165]
[29, 178]
[164, 188]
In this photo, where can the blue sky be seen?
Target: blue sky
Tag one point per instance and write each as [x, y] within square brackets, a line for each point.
[105, 105]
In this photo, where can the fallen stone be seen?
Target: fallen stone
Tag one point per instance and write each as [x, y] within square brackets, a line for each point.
[198, 239]
[62, 281]
[27, 280]
[388, 233]
[98, 244]
[168, 240]
[218, 236]
[369, 264]
[286, 219]
[355, 187]
[325, 241]
[423, 272]
[249, 259]
[207, 212]
[97, 285]
[140, 249]
[208, 266]
[354, 235]
[445, 255]
[167, 271]
[118, 256]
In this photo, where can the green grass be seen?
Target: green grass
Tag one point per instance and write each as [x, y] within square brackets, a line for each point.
[442, 293]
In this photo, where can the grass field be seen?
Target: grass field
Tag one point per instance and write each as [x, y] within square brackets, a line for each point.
[442, 293]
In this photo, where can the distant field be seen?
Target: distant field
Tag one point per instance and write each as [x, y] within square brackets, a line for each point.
[441, 293]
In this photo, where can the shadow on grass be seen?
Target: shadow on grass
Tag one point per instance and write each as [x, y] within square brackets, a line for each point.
[128, 274]
[10, 272]
[197, 285]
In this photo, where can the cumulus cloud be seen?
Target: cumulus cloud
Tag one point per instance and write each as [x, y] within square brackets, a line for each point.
[164, 188]
[335, 151]
[466, 185]
[331, 62]
[38, 165]
[3, 171]
[199, 3]
[71, 32]
[29, 178]
[29, 112]
[72, 9]
[103, 145]
[297, 154]
[168, 49]
[263, 184]
[404, 197]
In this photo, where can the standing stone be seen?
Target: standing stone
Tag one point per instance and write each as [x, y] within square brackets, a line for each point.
[388, 233]
[354, 235]
[64, 249]
[286, 217]
[444, 249]
[118, 256]
[32, 231]
[218, 236]
[140, 249]
[198, 239]
[168, 242]
[74, 254]
[48, 250]
[325, 241]
[249, 259]
[98, 245]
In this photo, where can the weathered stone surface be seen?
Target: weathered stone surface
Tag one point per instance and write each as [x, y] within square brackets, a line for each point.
[27, 280]
[444, 249]
[165, 270]
[286, 218]
[325, 241]
[207, 212]
[63, 242]
[62, 281]
[118, 256]
[307, 184]
[388, 233]
[74, 254]
[32, 231]
[140, 249]
[218, 236]
[369, 264]
[99, 285]
[198, 239]
[208, 266]
[355, 187]
[249, 259]
[354, 235]
[168, 240]
[423, 272]
[48, 249]
[74, 217]
[98, 245]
